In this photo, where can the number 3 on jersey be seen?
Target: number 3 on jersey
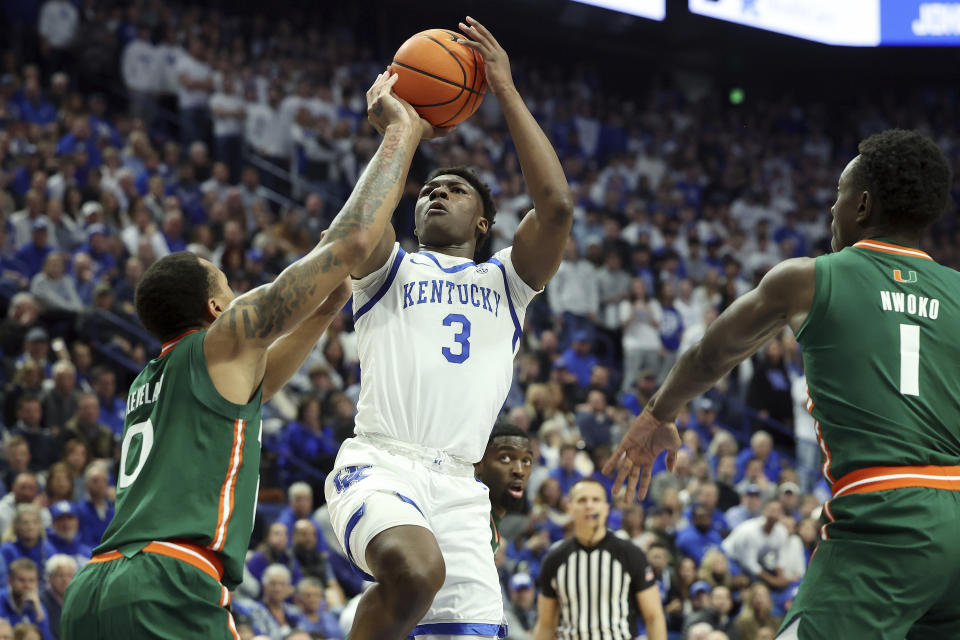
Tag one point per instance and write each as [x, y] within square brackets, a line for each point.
[462, 338]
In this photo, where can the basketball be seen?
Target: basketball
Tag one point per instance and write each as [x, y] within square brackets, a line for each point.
[441, 78]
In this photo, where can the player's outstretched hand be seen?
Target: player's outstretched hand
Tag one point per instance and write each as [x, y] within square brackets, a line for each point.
[633, 459]
[385, 107]
[495, 59]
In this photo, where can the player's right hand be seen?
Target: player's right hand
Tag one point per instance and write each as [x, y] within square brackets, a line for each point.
[633, 459]
[385, 108]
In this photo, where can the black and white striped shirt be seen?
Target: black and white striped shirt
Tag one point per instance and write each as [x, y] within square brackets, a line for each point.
[596, 587]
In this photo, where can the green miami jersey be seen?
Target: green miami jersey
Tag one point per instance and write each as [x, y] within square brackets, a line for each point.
[881, 351]
[190, 461]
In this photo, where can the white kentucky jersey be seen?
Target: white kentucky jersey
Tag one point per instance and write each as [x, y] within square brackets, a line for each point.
[437, 335]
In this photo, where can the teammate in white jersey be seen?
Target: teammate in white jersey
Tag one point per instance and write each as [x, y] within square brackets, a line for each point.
[437, 337]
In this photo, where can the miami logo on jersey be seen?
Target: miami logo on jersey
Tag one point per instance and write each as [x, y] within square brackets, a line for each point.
[898, 276]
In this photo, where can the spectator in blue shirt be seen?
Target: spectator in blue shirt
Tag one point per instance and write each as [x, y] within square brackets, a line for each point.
[565, 474]
[96, 247]
[173, 231]
[594, 421]
[274, 550]
[299, 507]
[29, 542]
[700, 536]
[34, 253]
[671, 328]
[708, 495]
[64, 535]
[578, 359]
[33, 107]
[80, 139]
[13, 272]
[96, 511]
[317, 617]
[274, 617]
[20, 602]
[761, 448]
[112, 407]
[751, 506]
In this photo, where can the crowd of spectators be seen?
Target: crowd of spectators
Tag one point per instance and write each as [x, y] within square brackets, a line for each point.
[682, 203]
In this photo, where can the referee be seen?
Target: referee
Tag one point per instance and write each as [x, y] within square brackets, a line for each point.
[593, 585]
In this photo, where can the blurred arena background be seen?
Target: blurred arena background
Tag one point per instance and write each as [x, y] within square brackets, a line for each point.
[700, 152]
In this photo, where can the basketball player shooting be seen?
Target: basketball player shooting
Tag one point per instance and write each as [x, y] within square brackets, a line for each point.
[877, 320]
[437, 337]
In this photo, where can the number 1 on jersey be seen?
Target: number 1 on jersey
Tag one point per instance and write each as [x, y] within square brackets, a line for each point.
[462, 338]
[910, 360]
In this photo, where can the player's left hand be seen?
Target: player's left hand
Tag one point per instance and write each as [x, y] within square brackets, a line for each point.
[633, 459]
[495, 59]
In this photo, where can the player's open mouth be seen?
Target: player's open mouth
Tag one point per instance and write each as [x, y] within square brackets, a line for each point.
[436, 208]
[515, 490]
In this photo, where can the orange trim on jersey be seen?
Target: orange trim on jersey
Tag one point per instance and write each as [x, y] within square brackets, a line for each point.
[232, 626]
[192, 554]
[826, 452]
[884, 478]
[829, 514]
[168, 346]
[228, 488]
[183, 550]
[105, 557]
[886, 247]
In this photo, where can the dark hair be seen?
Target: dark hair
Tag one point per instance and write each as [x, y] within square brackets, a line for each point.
[590, 481]
[507, 430]
[908, 176]
[171, 297]
[489, 206]
[25, 398]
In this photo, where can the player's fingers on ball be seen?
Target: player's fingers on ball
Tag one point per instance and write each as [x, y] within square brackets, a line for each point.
[474, 33]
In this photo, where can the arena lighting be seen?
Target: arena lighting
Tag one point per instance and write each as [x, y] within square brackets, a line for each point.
[652, 9]
[737, 95]
[858, 23]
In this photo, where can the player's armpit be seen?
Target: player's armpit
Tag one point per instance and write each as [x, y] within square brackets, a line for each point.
[380, 254]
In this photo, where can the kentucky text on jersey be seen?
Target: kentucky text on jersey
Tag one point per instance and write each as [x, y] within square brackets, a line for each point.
[144, 394]
[447, 292]
[910, 304]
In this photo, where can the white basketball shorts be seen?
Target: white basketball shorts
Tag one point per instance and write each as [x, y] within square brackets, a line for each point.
[378, 483]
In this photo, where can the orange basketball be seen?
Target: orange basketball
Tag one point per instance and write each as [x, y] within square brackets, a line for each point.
[441, 78]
